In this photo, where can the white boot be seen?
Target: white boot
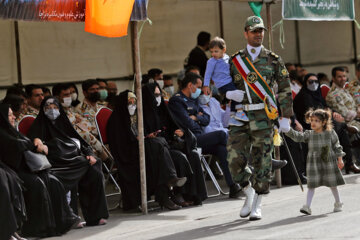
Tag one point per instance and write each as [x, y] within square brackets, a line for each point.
[256, 208]
[249, 193]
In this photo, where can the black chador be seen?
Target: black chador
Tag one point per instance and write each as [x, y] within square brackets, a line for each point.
[48, 213]
[122, 133]
[68, 156]
[183, 150]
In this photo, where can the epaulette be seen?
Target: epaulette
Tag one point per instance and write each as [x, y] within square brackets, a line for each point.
[241, 52]
[274, 55]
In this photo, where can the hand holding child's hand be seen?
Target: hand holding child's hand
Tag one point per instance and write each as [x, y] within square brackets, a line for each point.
[340, 163]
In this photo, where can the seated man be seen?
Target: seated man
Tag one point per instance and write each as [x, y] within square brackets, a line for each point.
[62, 92]
[35, 96]
[340, 100]
[89, 107]
[186, 108]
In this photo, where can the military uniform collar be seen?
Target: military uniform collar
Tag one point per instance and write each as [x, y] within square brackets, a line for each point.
[260, 55]
[86, 104]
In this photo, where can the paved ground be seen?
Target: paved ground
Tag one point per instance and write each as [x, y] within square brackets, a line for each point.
[219, 218]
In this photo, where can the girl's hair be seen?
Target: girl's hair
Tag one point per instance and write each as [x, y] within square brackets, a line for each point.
[217, 42]
[324, 115]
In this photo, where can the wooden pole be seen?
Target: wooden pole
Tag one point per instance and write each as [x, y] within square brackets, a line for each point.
[18, 56]
[269, 26]
[136, 56]
[297, 38]
[271, 48]
[221, 18]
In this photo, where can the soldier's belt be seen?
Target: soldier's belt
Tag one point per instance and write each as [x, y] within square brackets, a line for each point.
[250, 107]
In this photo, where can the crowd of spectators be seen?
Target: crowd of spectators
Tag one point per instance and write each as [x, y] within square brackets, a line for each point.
[178, 127]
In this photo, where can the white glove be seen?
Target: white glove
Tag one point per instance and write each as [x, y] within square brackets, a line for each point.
[350, 115]
[236, 95]
[284, 125]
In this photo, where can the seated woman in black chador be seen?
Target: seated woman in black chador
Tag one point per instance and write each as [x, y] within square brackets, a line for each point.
[48, 213]
[182, 144]
[72, 160]
[122, 134]
[12, 206]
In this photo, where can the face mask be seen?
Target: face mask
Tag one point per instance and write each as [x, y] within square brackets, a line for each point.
[313, 87]
[196, 94]
[158, 100]
[67, 102]
[204, 99]
[94, 97]
[74, 96]
[131, 109]
[52, 114]
[103, 94]
[170, 90]
[161, 83]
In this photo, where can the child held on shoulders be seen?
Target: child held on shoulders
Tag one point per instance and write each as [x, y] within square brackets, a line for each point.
[218, 70]
[324, 159]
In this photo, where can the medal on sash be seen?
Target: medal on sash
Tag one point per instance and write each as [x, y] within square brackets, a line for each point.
[257, 84]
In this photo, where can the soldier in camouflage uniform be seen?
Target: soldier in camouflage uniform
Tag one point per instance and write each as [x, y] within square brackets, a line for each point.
[254, 140]
[354, 86]
[341, 101]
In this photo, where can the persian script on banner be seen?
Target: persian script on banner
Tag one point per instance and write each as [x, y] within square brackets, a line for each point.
[318, 10]
[57, 10]
[43, 10]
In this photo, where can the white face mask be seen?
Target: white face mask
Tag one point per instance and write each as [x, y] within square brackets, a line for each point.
[132, 109]
[161, 83]
[52, 114]
[313, 87]
[73, 96]
[158, 100]
[67, 102]
[170, 90]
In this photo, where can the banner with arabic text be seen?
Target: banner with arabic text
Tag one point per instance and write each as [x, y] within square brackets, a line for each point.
[318, 10]
[59, 10]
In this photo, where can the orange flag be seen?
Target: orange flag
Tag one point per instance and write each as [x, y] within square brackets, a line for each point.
[108, 18]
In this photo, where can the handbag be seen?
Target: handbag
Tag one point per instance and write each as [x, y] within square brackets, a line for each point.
[36, 161]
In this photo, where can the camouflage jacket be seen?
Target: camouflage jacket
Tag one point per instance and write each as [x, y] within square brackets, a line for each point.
[31, 111]
[273, 70]
[354, 89]
[88, 112]
[340, 100]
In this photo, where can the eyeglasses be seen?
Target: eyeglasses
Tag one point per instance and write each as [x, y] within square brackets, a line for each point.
[313, 81]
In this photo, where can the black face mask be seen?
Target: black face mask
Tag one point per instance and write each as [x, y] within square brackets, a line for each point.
[94, 97]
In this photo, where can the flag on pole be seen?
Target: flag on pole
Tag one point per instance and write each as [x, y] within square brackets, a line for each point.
[108, 18]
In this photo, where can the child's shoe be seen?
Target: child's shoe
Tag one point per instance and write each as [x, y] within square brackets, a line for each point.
[306, 210]
[338, 206]
[234, 122]
[241, 116]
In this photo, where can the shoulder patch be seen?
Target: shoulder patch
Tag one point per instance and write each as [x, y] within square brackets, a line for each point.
[284, 72]
[338, 99]
[234, 55]
[177, 95]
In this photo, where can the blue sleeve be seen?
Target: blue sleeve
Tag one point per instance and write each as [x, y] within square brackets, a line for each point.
[209, 71]
[178, 109]
[204, 119]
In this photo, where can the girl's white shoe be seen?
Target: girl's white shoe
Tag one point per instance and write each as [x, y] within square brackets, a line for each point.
[306, 210]
[338, 206]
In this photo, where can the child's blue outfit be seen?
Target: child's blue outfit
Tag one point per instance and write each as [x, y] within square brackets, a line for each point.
[219, 71]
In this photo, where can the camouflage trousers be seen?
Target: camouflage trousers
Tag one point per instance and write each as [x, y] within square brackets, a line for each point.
[251, 146]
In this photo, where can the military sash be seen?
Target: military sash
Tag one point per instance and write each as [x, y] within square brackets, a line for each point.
[257, 84]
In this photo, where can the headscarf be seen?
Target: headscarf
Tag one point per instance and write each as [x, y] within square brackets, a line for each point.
[12, 143]
[61, 128]
[155, 115]
[122, 142]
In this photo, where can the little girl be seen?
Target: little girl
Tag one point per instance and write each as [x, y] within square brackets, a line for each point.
[324, 159]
